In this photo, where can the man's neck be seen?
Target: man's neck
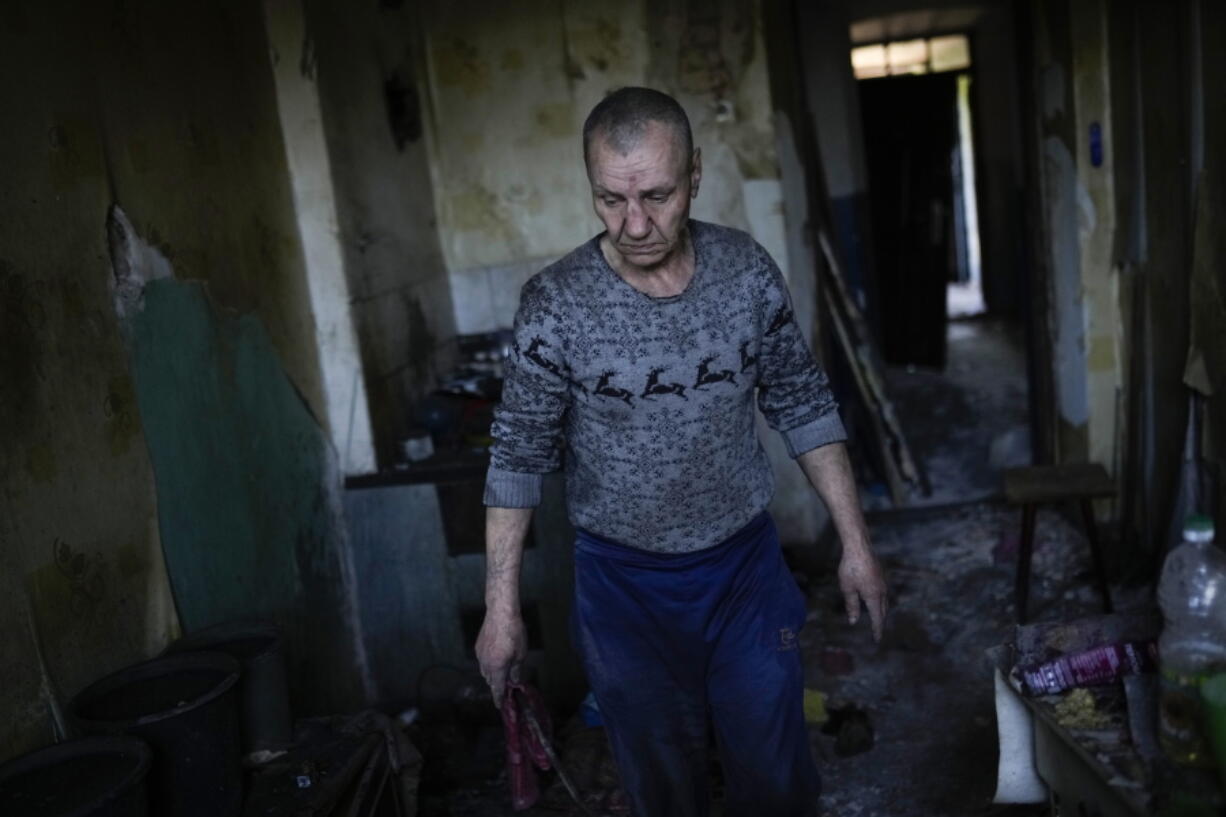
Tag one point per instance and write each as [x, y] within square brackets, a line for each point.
[668, 278]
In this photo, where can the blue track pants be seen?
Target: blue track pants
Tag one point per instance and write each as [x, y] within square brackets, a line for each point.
[678, 645]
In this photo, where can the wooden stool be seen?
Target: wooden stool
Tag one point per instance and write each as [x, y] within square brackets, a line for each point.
[1029, 487]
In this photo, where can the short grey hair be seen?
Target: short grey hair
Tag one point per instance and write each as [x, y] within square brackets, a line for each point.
[622, 117]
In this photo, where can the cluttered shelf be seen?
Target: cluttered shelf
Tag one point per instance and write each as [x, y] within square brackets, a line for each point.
[449, 439]
[1091, 744]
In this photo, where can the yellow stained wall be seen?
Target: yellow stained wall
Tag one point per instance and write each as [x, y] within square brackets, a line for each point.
[509, 86]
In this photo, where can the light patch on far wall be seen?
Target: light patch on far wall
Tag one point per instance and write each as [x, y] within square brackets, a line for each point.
[1069, 345]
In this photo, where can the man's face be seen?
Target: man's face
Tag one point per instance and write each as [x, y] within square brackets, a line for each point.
[643, 198]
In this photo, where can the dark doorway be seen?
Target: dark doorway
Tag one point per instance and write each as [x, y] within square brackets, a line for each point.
[911, 141]
[956, 362]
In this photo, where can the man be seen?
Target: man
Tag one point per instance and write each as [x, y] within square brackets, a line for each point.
[641, 353]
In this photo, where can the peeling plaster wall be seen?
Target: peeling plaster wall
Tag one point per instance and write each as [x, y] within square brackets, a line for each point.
[509, 88]
[1086, 319]
[367, 64]
[83, 588]
[1120, 242]
[169, 110]
[1065, 209]
[1103, 321]
[189, 104]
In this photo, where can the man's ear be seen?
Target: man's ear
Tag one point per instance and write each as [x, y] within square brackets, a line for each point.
[695, 172]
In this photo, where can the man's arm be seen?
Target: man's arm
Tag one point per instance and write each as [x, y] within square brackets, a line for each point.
[503, 642]
[860, 575]
[527, 432]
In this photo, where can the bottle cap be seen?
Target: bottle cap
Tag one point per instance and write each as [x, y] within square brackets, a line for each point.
[1198, 528]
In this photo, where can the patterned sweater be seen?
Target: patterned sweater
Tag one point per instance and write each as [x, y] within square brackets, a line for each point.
[653, 398]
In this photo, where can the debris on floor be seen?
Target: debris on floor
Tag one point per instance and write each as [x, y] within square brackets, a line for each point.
[852, 729]
[357, 766]
[1079, 711]
[815, 707]
[916, 712]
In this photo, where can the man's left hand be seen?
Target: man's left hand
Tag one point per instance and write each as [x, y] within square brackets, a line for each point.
[861, 579]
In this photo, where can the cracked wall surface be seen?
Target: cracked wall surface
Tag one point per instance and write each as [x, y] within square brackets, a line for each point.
[167, 109]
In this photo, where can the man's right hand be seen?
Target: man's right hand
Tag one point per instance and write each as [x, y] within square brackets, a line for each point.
[501, 647]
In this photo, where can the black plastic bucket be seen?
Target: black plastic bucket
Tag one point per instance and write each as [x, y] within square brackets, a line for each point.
[266, 721]
[91, 777]
[185, 708]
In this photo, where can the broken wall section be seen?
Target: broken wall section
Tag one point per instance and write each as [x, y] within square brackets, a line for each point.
[169, 110]
[232, 416]
[83, 587]
[509, 88]
[1126, 125]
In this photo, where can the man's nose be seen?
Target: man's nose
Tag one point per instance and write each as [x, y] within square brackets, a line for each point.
[638, 225]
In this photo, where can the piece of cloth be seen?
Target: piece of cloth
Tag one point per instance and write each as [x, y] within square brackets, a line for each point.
[524, 748]
[654, 397]
[676, 645]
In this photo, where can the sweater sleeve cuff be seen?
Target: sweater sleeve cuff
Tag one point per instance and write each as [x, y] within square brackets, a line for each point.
[511, 489]
[824, 430]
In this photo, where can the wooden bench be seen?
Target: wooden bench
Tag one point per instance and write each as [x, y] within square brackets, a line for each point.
[1032, 486]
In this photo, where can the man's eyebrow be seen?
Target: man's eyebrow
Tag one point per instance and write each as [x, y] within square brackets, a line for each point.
[603, 191]
[663, 190]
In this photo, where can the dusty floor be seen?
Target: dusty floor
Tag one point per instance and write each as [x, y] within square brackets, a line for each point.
[967, 422]
[926, 689]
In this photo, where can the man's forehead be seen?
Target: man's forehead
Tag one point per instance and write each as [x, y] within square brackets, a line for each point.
[658, 152]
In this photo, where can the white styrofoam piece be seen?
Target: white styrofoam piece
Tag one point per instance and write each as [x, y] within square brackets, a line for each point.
[1017, 780]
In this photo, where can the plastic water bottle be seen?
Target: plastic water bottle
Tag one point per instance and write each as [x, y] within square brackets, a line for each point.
[1192, 594]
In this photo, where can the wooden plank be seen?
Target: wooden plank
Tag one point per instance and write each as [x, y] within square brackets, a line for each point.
[893, 476]
[855, 339]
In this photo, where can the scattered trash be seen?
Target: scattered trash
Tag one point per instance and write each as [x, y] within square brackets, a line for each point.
[907, 632]
[1017, 776]
[1006, 549]
[852, 729]
[837, 661]
[1099, 665]
[1078, 710]
[815, 706]
[358, 765]
[262, 756]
